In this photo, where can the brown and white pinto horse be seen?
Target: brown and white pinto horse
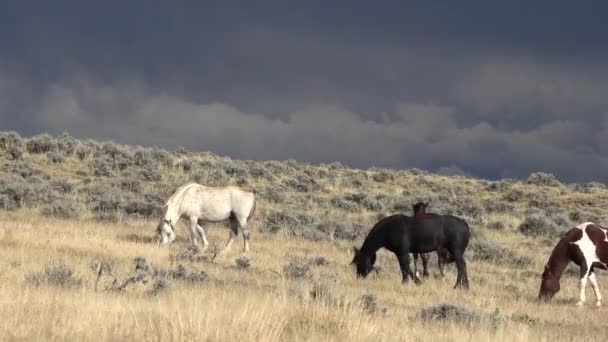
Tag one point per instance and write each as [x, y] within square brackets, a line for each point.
[587, 246]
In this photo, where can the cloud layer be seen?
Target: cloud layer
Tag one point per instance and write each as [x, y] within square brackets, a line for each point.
[416, 135]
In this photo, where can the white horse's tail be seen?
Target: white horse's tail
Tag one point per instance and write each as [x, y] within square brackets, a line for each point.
[252, 211]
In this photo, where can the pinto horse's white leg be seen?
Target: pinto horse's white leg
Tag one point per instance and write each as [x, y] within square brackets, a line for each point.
[201, 232]
[583, 284]
[596, 289]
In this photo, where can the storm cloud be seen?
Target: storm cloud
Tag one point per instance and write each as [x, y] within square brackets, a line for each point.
[489, 92]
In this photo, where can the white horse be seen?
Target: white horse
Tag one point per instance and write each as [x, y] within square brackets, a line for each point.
[198, 203]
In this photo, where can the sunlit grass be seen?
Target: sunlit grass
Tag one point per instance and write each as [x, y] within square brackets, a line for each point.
[262, 304]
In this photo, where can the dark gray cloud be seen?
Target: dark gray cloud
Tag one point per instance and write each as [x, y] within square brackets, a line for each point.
[492, 90]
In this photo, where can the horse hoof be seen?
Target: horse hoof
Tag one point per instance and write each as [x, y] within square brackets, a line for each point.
[580, 304]
[598, 304]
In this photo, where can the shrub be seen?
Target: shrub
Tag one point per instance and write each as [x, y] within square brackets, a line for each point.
[491, 252]
[448, 312]
[140, 207]
[273, 194]
[349, 231]
[21, 192]
[302, 183]
[369, 303]
[42, 143]
[64, 207]
[8, 139]
[243, 263]
[345, 204]
[131, 183]
[514, 195]
[260, 172]
[25, 170]
[55, 157]
[496, 206]
[320, 261]
[543, 179]
[583, 216]
[499, 186]
[496, 225]
[383, 177]
[236, 170]
[83, 151]
[524, 318]
[15, 152]
[66, 144]
[292, 224]
[162, 157]
[7, 203]
[159, 285]
[181, 273]
[55, 275]
[189, 253]
[103, 166]
[296, 269]
[150, 173]
[538, 225]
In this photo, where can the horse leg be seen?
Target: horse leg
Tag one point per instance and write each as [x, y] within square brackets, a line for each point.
[246, 234]
[583, 283]
[193, 231]
[234, 231]
[201, 233]
[415, 255]
[441, 261]
[462, 280]
[406, 271]
[425, 264]
[596, 288]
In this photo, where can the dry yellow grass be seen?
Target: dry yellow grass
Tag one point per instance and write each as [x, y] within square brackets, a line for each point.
[260, 304]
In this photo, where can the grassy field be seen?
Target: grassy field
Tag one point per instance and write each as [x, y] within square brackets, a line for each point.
[263, 302]
[64, 211]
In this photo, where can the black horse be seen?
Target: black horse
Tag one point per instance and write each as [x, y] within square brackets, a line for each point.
[420, 213]
[402, 235]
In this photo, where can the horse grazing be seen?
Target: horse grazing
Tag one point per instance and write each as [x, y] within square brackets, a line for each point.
[587, 246]
[197, 204]
[402, 235]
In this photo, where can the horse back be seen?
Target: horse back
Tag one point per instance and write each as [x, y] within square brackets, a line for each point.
[439, 230]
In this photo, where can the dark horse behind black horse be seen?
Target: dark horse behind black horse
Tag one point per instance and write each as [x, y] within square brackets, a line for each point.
[403, 235]
[442, 256]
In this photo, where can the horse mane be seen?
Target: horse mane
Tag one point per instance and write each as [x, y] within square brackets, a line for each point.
[173, 201]
[371, 236]
[178, 193]
[560, 251]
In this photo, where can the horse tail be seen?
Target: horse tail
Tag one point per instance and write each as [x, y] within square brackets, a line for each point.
[251, 212]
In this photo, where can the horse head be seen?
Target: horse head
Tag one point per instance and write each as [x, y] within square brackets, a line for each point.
[549, 285]
[364, 262]
[166, 232]
[420, 207]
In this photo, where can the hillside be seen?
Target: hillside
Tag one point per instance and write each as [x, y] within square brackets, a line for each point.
[69, 207]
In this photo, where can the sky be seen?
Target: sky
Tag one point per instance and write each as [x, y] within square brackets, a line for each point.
[479, 88]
